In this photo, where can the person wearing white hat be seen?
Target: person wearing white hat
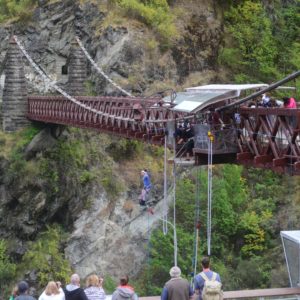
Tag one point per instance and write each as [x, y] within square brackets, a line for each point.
[177, 288]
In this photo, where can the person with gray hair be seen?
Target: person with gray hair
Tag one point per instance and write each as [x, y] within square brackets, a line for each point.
[73, 291]
[177, 288]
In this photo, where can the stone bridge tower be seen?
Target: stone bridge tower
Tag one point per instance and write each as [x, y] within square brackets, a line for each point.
[14, 105]
[77, 70]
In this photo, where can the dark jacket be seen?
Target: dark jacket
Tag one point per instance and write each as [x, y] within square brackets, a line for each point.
[74, 293]
[24, 297]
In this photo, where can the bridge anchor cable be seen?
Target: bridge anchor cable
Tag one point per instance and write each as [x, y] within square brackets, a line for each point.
[99, 70]
[52, 84]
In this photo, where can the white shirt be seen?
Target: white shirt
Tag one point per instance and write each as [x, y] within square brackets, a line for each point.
[60, 296]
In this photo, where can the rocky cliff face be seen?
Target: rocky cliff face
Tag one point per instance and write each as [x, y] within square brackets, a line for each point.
[109, 236]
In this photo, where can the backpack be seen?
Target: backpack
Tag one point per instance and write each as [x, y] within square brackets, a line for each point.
[212, 289]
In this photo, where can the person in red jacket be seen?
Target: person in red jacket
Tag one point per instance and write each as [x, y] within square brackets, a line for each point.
[289, 102]
[124, 290]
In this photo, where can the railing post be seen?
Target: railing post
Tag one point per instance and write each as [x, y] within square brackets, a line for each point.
[77, 70]
[14, 106]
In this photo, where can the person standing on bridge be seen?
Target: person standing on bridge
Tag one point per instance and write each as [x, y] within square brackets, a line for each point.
[146, 187]
[177, 288]
[289, 102]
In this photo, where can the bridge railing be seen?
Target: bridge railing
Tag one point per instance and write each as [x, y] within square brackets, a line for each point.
[270, 138]
[278, 293]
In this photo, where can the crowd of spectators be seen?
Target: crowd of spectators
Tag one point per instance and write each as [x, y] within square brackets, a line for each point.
[177, 288]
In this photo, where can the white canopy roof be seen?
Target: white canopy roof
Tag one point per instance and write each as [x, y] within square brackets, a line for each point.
[236, 87]
[197, 98]
[293, 235]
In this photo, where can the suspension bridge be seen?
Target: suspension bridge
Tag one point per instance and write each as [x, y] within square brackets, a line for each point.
[262, 137]
[258, 137]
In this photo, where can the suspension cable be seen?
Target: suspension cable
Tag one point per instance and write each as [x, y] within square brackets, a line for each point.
[53, 84]
[209, 191]
[174, 207]
[165, 204]
[98, 68]
[196, 224]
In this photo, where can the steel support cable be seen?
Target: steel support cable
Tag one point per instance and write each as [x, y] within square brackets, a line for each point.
[197, 224]
[52, 84]
[57, 88]
[165, 203]
[149, 252]
[174, 207]
[209, 191]
[99, 70]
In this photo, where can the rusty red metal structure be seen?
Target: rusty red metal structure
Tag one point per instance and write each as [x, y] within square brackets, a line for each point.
[270, 138]
[266, 137]
[129, 117]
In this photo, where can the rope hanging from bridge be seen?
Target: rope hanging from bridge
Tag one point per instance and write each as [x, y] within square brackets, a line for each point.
[165, 203]
[209, 190]
[197, 225]
[99, 70]
[174, 207]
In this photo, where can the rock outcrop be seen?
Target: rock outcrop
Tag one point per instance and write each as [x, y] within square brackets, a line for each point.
[123, 53]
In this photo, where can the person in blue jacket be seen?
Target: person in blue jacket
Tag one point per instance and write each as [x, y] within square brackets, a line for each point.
[146, 186]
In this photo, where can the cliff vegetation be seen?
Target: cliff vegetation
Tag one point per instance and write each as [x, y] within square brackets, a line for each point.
[86, 181]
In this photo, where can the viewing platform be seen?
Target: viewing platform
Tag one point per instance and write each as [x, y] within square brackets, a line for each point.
[278, 293]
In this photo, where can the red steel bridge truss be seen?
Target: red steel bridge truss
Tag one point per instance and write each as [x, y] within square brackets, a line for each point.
[129, 117]
[270, 138]
[265, 137]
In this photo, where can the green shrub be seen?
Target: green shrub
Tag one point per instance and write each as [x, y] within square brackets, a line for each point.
[109, 285]
[252, 49]
[7, 268]
[124, 149]
[154, 13]
[45, 256]
[17, 168]
[259, 45]
[20, 9]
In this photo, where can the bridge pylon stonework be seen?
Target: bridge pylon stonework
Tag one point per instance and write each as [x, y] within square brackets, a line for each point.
[14, 106]
[77, 70]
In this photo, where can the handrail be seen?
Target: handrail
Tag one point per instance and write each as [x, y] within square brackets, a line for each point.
[260, 293]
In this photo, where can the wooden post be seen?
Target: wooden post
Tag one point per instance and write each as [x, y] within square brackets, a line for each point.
[14, 106]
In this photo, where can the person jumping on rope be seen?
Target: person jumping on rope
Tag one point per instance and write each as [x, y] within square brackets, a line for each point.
[146, 187]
